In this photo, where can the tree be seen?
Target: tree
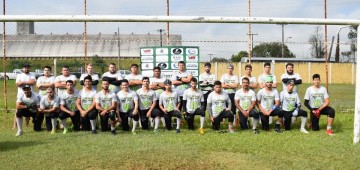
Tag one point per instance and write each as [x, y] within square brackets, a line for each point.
[353, 37]
[317, 47]
[99, 62]
[237, 57]
[272, 49]
[215, 59]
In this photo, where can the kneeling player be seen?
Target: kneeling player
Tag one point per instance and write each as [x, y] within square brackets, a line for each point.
[68, 107]
[49, 106]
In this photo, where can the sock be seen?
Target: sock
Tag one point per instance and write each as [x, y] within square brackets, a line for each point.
[152, 122]
[53, 123]
[112, 127]
[178, 122]
[163, 121]
[202, 120]
[270, 119]
[303, 121]
[19, 121]
[157, 120]
[277, 122]
[63, 122]
[93, 124]
[255, 122]
[134, 125]
[328, 127]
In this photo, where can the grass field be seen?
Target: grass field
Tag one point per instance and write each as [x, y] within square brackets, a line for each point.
[187, 150]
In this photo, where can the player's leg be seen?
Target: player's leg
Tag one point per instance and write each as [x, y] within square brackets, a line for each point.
[93, 114]
[255, 118]
[112, 117]
[243, 121]
[155, 114]
[124, 121]
[135, 119]
[167, 117]
[303, 115]
[144, 120]
[314, 122]
[230, 116]
[201, 112]
[287, 119]
[277, 112]
[177, 114]
[104, 122]
[264, 121]
[19, 120]
[54, 117]
[331, 115]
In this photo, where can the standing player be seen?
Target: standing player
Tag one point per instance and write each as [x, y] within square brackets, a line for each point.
[127, 106]
[216, 105]
[68, 107]
[170, 103]
[49, 106]
[245, 101]
[134, 78]
[60, 81]
[230, 82]
[290, 75]
[290, 105]
[114, 78]
[46, 81]
[106, 104]
[86, 105]
[27, 105]
[157, 84]
[206, 81]
[268, 103]
[147, 103]
[317, 101]
[181, 79]
[266, 73]
[193, 104]
[94, 77]
[252, 80]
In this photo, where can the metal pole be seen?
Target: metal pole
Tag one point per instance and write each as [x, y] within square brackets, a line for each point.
[118, 40]
[4, 59]
[160, 30]
[326, 51]
[357, 94]
[85, 36]
[249, 38]
[282, 44]
[168, 24]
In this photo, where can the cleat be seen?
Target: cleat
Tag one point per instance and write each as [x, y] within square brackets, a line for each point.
[178, 131]
[277, 128]
[19, 133]
[231, 130]
[65, 131]
[330, 132]
[94, 132]
[113, 132]
[201, 131]
[303, 130]
[256, 131]
[53, 131]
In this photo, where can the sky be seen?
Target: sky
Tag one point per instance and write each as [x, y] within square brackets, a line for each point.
[227, 39]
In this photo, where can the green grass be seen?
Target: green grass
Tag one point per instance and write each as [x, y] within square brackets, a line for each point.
[187, 150]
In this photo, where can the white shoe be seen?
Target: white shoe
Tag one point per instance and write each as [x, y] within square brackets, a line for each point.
[19, 133]
[303, 130]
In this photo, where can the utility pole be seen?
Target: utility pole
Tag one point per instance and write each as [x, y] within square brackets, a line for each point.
[118, 41]
[210, 55]
[160, 30]
[282, 44]
[252, 43]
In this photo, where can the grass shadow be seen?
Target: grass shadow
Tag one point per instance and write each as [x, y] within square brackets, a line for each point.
[13, 145]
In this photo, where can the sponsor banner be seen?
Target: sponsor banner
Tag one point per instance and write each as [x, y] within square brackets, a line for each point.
[192, 51]
[162, 51]
[146, 51]
[147, 58]
[163, 65]
[167, 74]
[192, 66]
[192, 58]
[194, 73]
[162, 58]
[175, 58]
[174, 66]
[147, 66]
[177, 51]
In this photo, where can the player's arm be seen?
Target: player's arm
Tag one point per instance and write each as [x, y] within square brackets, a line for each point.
[237, 105]
[208, 108]
[326, 103]
[229, 103]
[21, 105]
[187, 79]
[79, 107]
[92, 106]
[60, 84]
[136, 106]
[64, 109]
[253, 85]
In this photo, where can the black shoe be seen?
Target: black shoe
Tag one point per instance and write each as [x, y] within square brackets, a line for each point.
[277, 128]
[113, 132]
[94, 132]
[256, 131]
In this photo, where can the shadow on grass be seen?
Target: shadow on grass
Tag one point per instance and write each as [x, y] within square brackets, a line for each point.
[13, 145]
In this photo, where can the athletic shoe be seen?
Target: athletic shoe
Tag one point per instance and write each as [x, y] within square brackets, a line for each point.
[94, 132]
[65, 131]
[19, 133]
[201, 131]
[277, 128]
[113, 132]
[303, 130]
[330, 132]
[256, 131]
[178, 131]
[53, 131]
[231, 130]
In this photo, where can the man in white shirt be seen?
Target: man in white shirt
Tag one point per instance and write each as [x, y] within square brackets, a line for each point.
[60, 81]
[230, 82]
[252, 80]
[181, 80]
[114, 78]
[290, 75]
[68, 107]
[49, 106]
[134, 78]
[206, 81]
[94, 77]
[266, 73]
[157, 84]
[46, 81]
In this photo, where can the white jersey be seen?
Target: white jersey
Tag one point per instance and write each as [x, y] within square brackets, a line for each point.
[131, 77]
[292, 76]
[208, 78]
[69, 100]
[24, 77]
[169, 101]
[31, 102]
[93, 78]
[229, 80]
[193, 99]
[126, 100]
[267, 99]
[218, 102]
[262, 77]
[154, 80]
[252, 79]
[105, 99]
[289, 102]
[146, 98]
[62, 78]
[245, 99]
[86, 98]
[181, 87]
[316, 96]
[44, 80]
[46, 104]
[118, 76]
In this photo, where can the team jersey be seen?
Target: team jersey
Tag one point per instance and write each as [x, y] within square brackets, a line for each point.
[105, 99]
[44, 80]
[112, 87]
[316, 96]
[146, 98]
[169, 101]
[46, 104]
[62, 78]
[86, 98]
[229, 80]
[262, 77]
[93, 78]
[245, 99]
[31, 102]
[69, 100]
[207, 77]
[181, 87]
[131, 77]
[218, 102]
[292, 76]
[126, 100]
[267, 99]
[24, 77]
[193, 99]
[252, 79]
[289, 102]
[154, 80]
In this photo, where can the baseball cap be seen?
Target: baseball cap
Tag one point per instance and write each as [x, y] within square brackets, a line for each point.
[26, 87]
[26, 65]
[290, 82]
[167, 81]
[268, 79]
